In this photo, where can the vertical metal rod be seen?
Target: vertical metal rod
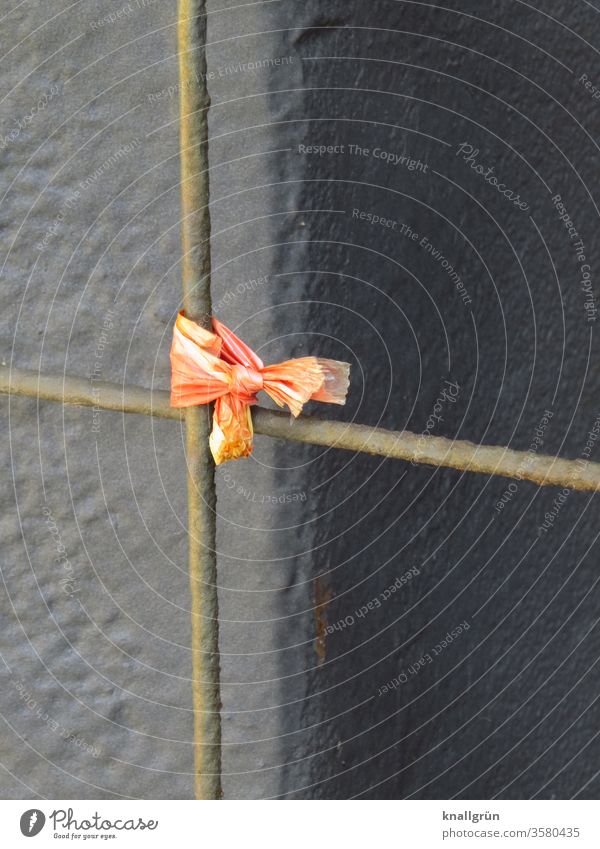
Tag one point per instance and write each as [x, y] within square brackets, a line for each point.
[194, 105]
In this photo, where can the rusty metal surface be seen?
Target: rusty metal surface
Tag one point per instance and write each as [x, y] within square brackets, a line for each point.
[358, 529]
[195, 227]
[458, 454]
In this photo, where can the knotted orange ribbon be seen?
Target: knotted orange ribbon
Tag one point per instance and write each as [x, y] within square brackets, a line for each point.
[220, 367]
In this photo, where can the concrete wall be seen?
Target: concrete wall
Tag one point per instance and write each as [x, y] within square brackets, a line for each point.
[340, 576]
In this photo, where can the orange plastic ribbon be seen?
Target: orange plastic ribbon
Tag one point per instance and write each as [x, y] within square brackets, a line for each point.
[220, 367]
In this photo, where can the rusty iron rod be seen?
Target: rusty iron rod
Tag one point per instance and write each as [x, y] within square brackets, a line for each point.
[87, 392]
[400, 445]
[194, 103]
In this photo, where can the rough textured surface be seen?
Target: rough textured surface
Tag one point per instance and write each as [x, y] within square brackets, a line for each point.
[307, 537]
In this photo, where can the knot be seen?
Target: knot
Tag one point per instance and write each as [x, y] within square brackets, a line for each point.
[245, 382]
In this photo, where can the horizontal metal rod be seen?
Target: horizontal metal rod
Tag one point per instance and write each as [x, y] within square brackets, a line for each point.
[87, 392]
[402, 445]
